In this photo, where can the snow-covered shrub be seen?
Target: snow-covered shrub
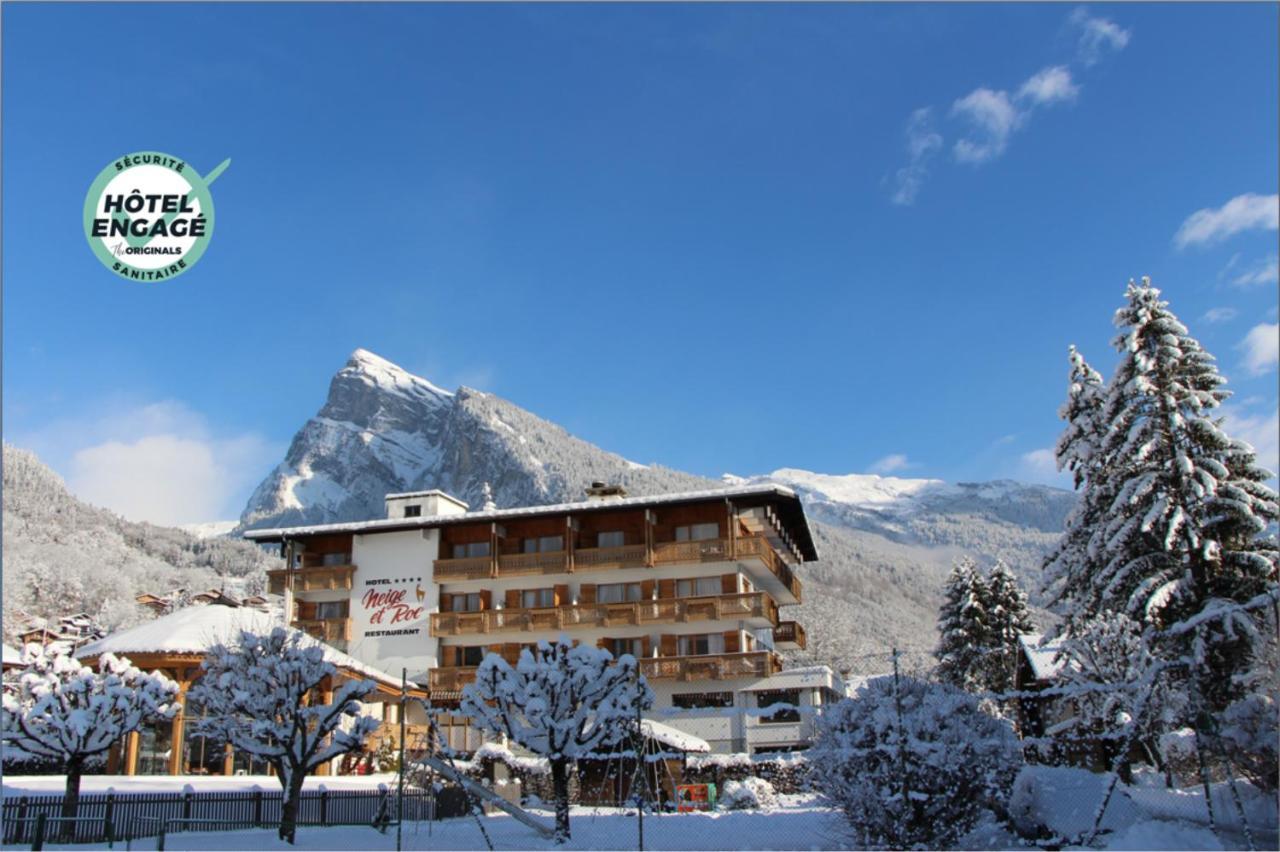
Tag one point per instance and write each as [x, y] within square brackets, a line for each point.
[1250, 728]
[748, 794]
[912, 763]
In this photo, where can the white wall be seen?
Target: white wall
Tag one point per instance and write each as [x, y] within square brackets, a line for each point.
[392, 599]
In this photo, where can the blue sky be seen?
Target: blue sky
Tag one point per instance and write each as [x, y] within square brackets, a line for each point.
[721, 238]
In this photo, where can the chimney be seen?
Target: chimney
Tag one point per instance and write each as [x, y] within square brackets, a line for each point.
[604, 493]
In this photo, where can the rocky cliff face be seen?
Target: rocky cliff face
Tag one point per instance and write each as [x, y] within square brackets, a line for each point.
[887, 543]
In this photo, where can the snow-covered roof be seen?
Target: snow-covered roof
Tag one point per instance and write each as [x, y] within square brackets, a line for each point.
[673, 737]
[434, 492]
[1043, 658]
[196, 629]
[12, 656]
[810, 677]
[804, 539]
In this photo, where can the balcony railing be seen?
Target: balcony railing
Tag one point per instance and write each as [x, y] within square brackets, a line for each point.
[319, 579]
[790, 635]
[712, 667]
[326, 629]
[707, 667]
[629, 556]
[753, 605]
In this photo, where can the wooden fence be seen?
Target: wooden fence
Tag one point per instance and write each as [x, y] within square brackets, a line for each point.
[115, 816]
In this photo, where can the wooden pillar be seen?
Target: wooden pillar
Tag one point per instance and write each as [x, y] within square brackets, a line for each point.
[326, 692]
[131, 743]
[177, 741]
[733, 529]
[228, 760]
[568, 543]
[649, 521]
[493, 549]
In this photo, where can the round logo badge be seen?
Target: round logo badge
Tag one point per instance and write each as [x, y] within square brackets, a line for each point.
[149, 216]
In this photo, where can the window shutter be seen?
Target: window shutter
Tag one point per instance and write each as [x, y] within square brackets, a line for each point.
[728, 584]
[587, 593]
[602, 642]
[511, 652]
[486, 599]
[306, 610]
[666, 589]
[646, 589]
[667, 646]
[646, 646]
[513, 599]
[446, 602]
[731, 641]
[562, 595]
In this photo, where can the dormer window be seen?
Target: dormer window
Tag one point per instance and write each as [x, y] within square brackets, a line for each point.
[413, 511]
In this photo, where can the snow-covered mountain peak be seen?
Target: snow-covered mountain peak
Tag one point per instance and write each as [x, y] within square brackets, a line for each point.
[382, 374]
[860, 489]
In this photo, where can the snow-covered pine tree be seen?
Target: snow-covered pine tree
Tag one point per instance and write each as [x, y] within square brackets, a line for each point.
[1007, 620]
[1074, 558]
[1186, 505]
[61, 711]
[963, 627]
[560, 701]
[263, 694]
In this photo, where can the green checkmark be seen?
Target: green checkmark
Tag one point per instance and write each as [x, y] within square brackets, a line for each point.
[138, 242]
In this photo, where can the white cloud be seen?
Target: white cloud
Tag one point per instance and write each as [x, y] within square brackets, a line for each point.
[1098, 36]
[993, 118]
[1261, 348]
[922, 143]
[1265, 271]
[1042, 466]
[157, 462]
[1246, 212]
[891, 463]
[1262, 430]
[1219, 315]
[1049, 85]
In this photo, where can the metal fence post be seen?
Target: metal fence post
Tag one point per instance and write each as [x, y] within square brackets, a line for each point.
[257, 808]
[324, 806]
[22, 820]
[37, 842]
[160, 839]
[109, 818]
[186, 804]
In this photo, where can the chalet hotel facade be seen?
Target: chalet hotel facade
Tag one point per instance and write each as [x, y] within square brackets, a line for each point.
[692, 584]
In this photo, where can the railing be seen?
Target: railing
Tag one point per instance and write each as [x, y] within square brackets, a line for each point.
[519, 564]
[683, 552]
[326, 629]
[467, 568]
[322, 579]
[712, 667]
[451, 678]
[759, 547]
[665, 610]
[790, 633]
[605, 558]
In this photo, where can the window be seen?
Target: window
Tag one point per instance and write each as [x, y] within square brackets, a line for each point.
[618, 592]
[698, 587]
[471, 656]
[699, 644]
[544, 544]
[471, 550]
[611, 538]
[538, 598]
[698, 532]
[764, 700]
[465, 603]
[413, 511]
[618, 647]
[694, 700]
[331, 609]
[335, 559]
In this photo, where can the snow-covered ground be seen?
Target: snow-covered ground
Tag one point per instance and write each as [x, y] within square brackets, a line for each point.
[36, 785]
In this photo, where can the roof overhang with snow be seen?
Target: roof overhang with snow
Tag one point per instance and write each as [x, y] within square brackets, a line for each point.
[673, 737]
[782, 499]
[1043, 658]
[809, 677]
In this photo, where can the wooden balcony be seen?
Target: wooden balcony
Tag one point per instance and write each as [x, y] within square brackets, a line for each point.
[755, 606]
[318, 579]
[712, 666]
[790, 636]
[612, 558]
[707, 667]
[326, 629]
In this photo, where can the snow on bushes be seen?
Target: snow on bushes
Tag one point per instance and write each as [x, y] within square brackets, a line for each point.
[911, 763]
[748, 794]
